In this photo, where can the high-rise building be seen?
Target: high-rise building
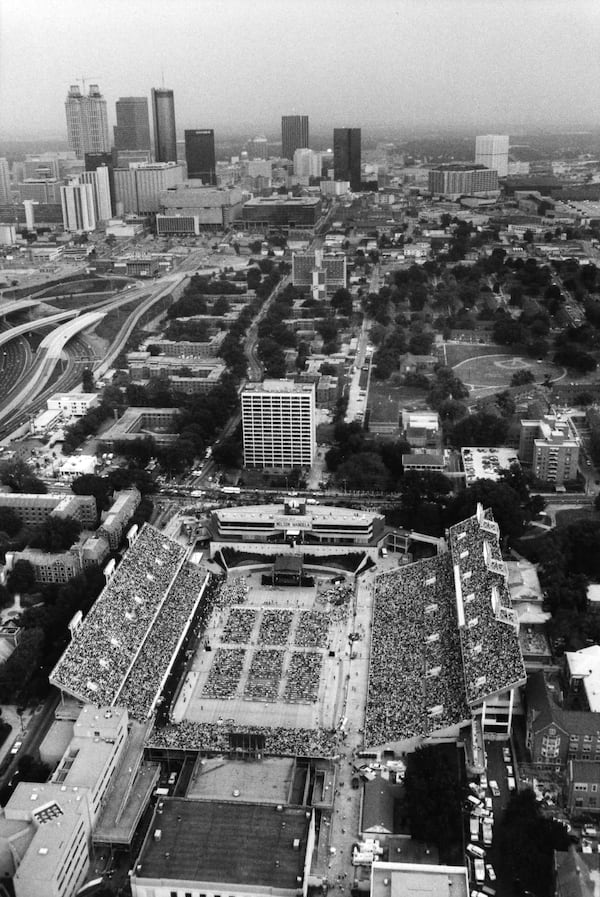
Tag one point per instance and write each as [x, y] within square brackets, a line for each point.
[163, 113]
[307, 164]
[258, 148]
[132, 131]
[100, 181]
[78, 207]
[454, 179]
[138, 188]
[491, 150]
[346, 156]
[551, 446]
[294, 134]
[93, 161]
[279, 424]
[87, 123]
[200, 156]
[5, 191]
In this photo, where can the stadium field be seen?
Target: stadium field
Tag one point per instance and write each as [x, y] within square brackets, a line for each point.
[496, 371]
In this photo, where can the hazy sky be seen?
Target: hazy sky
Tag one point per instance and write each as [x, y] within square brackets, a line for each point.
[241, 64]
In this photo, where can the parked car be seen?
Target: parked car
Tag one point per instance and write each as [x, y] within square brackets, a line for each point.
[479, 868]
[494, 788]
[506, 754]
[490, 871]
[16, 747]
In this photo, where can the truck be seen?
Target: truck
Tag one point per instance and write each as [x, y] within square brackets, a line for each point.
[231, 490]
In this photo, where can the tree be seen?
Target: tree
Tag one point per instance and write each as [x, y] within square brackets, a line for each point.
[221, 306]
[57, 534]
[363, 472]
[482, 428]
[502, 499]
[522, 378]
[10, 522]
[91, 484]
[433, 794]
[341, 301]
[21, 578]
[87, 381]
[526, 839]
[18, 475]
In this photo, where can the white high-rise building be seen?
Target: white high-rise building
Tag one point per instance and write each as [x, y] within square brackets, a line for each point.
[491, 150]
[307, 163]
[5, 192]
[279, 424]
[78, 207]
[100, 182]
[87, 122]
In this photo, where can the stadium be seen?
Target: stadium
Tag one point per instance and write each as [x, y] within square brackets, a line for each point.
[280, 664]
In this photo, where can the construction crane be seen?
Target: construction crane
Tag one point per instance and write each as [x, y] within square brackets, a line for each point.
[87, 78]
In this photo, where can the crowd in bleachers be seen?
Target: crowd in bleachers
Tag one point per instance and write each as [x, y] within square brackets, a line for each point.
[141, 686]
[95, 664]
[415, 677]
[264, 676]
[491, 653]
[278, 740]
[225, 672]
[312, 630]
[233, 591]
[275, 627]
[239, 626]
[303, 677]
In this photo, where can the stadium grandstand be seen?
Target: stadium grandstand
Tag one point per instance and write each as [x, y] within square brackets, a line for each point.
[445, 652]
[124, 648]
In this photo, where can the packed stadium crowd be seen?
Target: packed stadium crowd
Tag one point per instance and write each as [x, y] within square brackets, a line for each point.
[264, 676]
[225, 672]
[143, 681]
[491, 653]
[275, 627]
[303, 677]
[232, 591]
[95, 664]
[339, 599]
[415, 678]
[312, 630]
[277, 740]
[239, 626]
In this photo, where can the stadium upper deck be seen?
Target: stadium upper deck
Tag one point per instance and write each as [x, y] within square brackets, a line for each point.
[444, 639]
[124, 647]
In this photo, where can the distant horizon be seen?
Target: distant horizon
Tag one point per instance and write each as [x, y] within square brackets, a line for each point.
[411, 66]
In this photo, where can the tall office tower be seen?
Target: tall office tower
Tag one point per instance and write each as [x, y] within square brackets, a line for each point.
[93, 161]
[163, 113]
[132, 130]
[28, 205]
[5, 192]
[294, 134]
[346, 156]
[258, 148]
[87, 123]
[307, 164]
[200, 156]
[279, 424]
[491, 150]
[78, 207]
[138, 188]
[100, 181]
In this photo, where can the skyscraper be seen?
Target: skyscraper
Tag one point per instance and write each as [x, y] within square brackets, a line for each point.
[278, 424]
[78, 207]
[5, 191]
[93, 161]
[294, 134]
[87, 124]
[132, 131]
[346, 156]
[163, 113]
[100, 181]
[200, 156]
[491, 150]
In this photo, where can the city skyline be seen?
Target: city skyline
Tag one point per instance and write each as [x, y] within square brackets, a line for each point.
[406, 63]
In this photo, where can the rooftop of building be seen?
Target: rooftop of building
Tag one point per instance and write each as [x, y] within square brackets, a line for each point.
[401, 879]
[242, 844]
[487, 463]
[276, 386]
[289, 515]
[284, 200]
[585, 664]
